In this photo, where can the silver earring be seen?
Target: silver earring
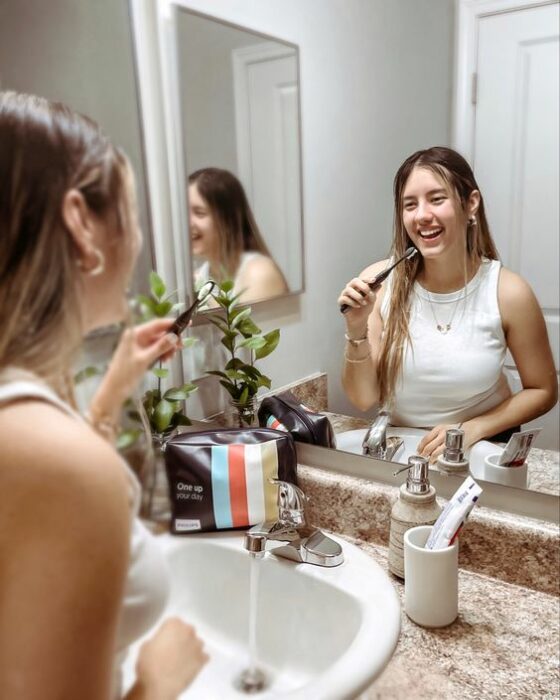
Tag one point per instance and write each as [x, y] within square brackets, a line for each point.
[98, 268]
[472, 221]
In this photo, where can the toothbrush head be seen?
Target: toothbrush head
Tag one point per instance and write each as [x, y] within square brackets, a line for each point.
[410, 252]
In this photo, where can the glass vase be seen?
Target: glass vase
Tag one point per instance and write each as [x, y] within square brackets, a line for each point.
[242, 415]
[156, 506]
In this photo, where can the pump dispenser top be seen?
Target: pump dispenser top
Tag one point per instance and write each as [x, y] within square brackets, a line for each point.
[416, 505]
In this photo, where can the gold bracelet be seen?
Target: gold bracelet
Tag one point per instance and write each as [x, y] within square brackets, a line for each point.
[357, 362]
[354, 342]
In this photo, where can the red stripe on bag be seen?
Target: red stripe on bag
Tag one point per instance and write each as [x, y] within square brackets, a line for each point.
[238, 486]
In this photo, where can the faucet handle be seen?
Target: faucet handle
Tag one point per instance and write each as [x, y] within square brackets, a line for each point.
[291, 502]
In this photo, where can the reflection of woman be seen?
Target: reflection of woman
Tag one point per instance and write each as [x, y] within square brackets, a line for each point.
[82, 577]
[431, 343]
[224, 232]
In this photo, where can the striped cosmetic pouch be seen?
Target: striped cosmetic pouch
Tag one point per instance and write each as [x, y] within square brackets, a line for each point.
[284, 412]
[220, 479]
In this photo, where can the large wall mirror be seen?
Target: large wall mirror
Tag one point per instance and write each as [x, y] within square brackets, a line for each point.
[240, 122]
[235, 96]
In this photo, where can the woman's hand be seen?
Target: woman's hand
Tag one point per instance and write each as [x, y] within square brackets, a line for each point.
[139, 347]
[433, 444]
[168, 662]
[360, 298]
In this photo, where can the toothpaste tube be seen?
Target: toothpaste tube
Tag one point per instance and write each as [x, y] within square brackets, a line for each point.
[454, 515]
[517, 449]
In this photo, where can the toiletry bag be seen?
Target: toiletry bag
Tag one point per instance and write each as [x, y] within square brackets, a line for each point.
[284, 412]
[220, 479]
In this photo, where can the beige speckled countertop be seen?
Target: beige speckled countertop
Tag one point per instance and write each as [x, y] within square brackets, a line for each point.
[505, 642]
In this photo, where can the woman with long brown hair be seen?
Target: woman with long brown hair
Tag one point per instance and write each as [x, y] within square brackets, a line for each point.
[225, 235]
[430, 344]
[81, 577]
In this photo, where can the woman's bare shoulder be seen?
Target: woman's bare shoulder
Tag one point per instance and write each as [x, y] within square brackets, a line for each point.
[514, 290]
[262, 278]
[41, 441]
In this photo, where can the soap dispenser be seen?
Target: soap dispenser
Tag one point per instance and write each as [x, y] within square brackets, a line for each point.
[416, 505]
[453, 458]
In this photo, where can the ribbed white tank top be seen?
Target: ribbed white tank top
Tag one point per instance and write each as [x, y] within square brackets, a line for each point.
[452, 377]
[147, 583]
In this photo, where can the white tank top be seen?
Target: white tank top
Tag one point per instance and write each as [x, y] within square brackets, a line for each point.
[147, 582]
[202, 273]
[452, 377]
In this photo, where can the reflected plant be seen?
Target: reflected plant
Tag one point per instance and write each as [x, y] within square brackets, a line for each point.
[241, 335]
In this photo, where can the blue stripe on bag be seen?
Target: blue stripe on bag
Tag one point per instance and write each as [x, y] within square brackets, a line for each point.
[220, 486]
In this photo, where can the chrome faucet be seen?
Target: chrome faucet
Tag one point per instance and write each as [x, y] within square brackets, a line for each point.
[305, 544]
[376, 443]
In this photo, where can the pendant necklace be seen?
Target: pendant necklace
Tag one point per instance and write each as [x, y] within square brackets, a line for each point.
[444, 328]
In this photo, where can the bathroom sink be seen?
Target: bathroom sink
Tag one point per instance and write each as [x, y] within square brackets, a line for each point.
[322, 633]
[351, 441]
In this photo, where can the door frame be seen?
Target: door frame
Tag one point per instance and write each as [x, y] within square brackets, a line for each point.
[467, 16]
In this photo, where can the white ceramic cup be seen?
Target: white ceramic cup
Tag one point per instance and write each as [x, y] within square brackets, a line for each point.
[431, 580]
[508, 476]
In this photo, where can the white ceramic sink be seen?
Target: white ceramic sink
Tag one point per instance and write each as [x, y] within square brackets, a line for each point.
[322, 634]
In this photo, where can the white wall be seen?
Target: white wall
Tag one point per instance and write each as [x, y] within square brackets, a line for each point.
[375, 86]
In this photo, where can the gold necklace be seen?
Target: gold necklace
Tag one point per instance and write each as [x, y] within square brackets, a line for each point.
[444, 328]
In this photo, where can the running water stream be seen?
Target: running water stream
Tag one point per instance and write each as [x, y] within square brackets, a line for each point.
[252, 679]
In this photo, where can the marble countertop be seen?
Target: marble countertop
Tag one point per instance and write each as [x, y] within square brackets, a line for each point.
[504, 644]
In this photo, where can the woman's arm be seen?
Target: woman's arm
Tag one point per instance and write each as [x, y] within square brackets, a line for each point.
[64, 548]
[363, 320]
[527, 340]
[139, 347]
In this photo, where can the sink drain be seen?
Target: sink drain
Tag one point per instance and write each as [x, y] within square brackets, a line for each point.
[251, 681]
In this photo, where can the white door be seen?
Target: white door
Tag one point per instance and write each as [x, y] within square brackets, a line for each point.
[516, 155]
[267, 125]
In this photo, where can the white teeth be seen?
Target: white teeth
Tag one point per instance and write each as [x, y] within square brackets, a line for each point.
[430, 234]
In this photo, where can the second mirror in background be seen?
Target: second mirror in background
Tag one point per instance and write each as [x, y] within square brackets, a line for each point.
[240, 114]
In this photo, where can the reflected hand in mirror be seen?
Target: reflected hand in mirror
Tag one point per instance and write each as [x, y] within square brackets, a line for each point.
[226, 239]
[454, 309]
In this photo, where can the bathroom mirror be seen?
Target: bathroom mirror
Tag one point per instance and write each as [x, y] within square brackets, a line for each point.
[240, 125]
[359, 80]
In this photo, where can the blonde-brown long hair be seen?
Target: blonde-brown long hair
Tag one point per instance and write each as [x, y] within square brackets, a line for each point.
[47, 149]
[457, 174]
[237, 229]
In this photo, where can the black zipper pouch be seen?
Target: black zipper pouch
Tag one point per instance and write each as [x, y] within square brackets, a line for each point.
[221, 479]
[284, 412]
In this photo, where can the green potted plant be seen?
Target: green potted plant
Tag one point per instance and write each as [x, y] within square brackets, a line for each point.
[163, 407]
[245, 344]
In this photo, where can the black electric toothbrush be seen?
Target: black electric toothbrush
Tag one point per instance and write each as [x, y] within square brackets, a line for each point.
[183, 320]
[378, 280]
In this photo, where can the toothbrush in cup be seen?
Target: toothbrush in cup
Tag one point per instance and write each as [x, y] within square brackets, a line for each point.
[378, 280]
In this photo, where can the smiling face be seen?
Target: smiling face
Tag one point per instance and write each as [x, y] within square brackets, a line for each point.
[433, 216]
[204, 232]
